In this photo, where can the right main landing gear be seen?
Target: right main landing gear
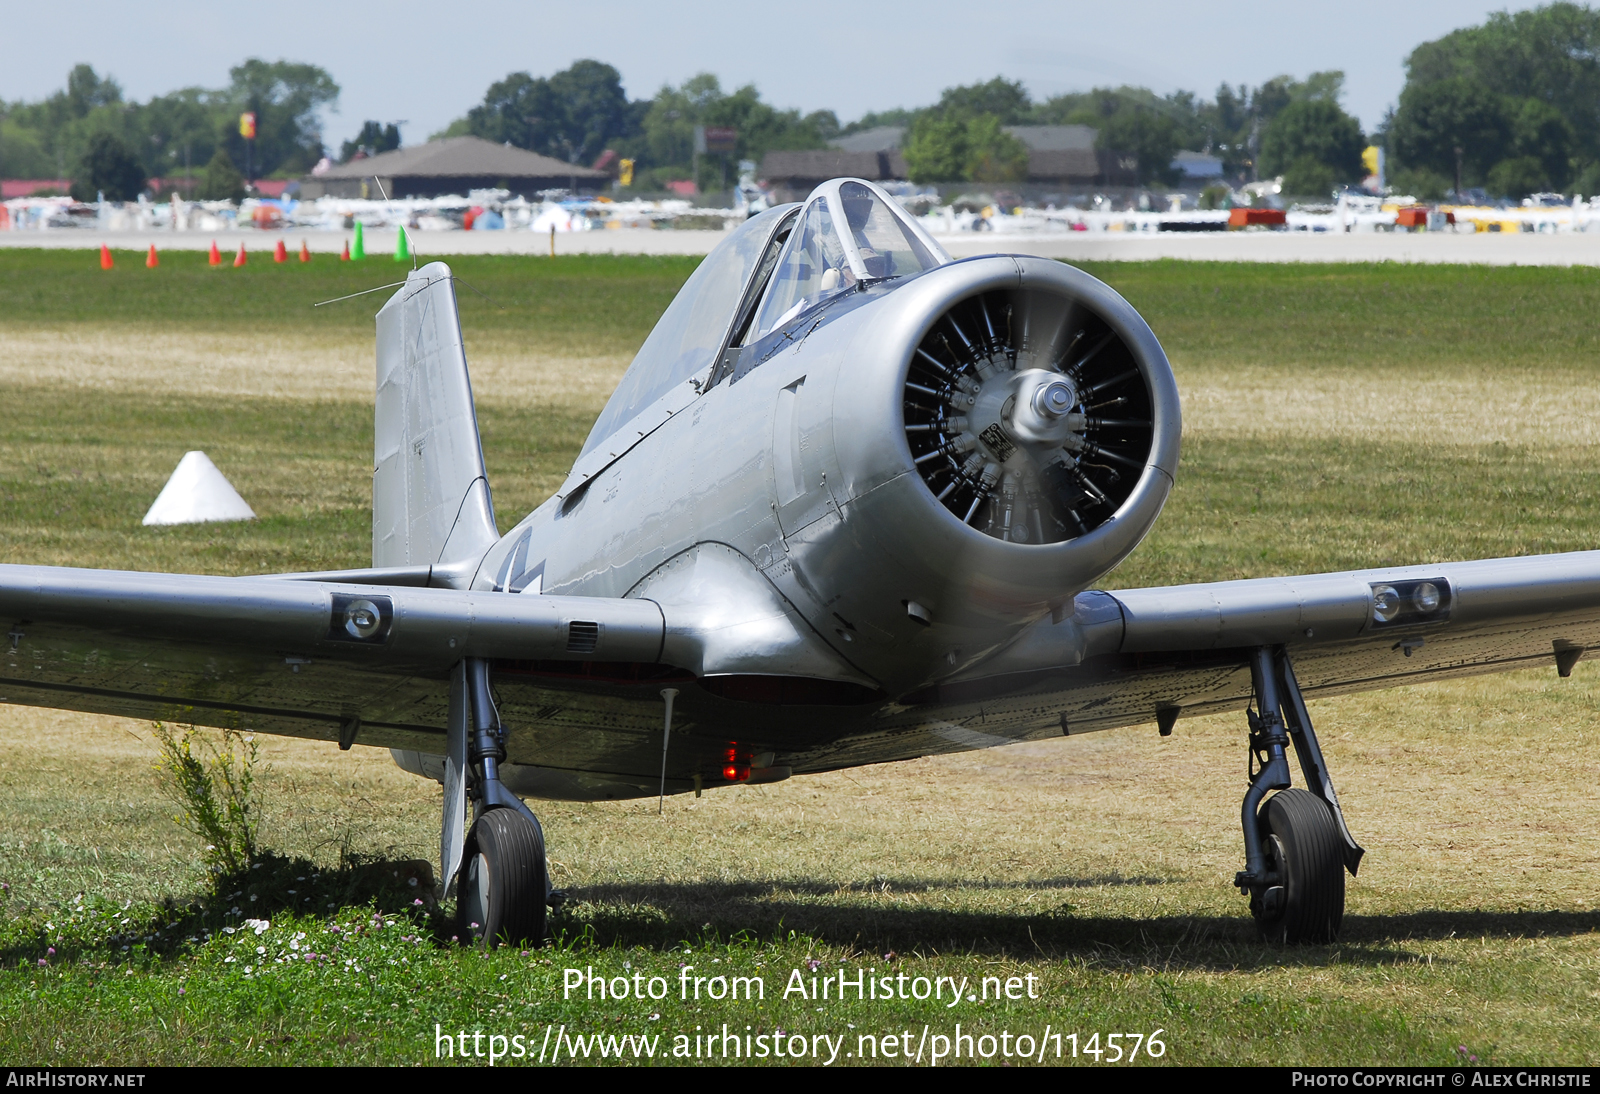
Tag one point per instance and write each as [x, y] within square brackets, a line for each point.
[501, 894]
[1297, 845]
[503, 884]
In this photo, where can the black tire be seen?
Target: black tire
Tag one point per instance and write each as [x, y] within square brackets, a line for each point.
[500, 896]
[1305, 855]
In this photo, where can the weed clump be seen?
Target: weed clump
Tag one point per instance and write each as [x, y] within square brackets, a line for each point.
[212, 783]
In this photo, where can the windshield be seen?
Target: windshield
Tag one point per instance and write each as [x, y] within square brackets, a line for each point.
[850, 232]
[813, 265]
[690, 332]
[887, 246]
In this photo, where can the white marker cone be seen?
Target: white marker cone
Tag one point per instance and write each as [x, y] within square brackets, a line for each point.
[196, 493]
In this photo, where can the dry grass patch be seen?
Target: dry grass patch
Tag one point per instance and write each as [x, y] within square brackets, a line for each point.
[290, 365]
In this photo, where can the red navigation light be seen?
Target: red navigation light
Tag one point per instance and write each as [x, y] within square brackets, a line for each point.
[736, 773]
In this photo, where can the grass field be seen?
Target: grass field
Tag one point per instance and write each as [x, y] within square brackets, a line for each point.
[1334, 417]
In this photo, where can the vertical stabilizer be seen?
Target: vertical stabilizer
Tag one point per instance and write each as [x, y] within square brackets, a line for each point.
[430, 496]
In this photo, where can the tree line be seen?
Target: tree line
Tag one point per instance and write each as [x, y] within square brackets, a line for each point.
[1512, 106]
[581, 111]
[90, 133]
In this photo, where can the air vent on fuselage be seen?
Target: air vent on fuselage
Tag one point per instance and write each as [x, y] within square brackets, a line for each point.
[1049, 478]
[582, 636]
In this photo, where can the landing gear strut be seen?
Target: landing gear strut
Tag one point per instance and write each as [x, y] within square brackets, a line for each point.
[1297, 846]
[503, 884]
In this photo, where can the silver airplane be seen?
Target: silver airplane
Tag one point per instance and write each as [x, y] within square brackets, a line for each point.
[846, 506]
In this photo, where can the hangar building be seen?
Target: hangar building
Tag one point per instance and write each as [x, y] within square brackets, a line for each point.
[453, 166]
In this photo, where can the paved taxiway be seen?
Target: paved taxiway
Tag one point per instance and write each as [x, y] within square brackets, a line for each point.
[1523, 249]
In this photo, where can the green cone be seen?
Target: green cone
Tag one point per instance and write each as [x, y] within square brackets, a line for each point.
[358, 249]
[402, 253]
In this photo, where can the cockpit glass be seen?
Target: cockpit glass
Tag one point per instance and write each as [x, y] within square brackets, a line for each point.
[687, 337]
[888, 248]
[813, 265]
[847, 235]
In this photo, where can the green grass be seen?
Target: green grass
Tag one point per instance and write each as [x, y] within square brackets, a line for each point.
[1099, 865]
[1366, 317]
[581, 304]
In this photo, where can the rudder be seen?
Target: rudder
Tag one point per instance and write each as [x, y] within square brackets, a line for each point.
[430, 494]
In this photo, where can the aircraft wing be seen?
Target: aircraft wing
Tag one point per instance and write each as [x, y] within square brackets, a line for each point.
[304, 658]
[1142, 655]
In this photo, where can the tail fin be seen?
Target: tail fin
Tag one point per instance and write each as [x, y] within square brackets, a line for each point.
[430, 495]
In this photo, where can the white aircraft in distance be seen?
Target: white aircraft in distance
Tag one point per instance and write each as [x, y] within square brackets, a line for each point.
[846, 507]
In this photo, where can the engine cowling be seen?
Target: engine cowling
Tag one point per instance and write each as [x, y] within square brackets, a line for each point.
[1005, 430]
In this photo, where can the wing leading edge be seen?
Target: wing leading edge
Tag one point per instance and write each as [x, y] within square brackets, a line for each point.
[1125, 655]
[301, 658]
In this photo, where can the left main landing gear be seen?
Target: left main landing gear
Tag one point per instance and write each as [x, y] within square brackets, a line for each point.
[1297, 845]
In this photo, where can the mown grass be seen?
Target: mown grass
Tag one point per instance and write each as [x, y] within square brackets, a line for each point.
[581, 305]
[1335, 416]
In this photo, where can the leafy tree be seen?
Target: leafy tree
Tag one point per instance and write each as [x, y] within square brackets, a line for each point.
[1150, 135]
[573, 115]
[993, 155]
[1435, 119]
[86, 91]
[1313, 130]
[1309, 176]
[181, 130]
[873, 119]
[1003, 99]
[108, 167]
[1517, 177]
[1541, 132]
[221, 180]
[666, 138]
[519, 110]
[1421, 183]
[951, 147]
[1472, 89]
[596, 108]
[286, 98]
[936, 149]
[374, 138]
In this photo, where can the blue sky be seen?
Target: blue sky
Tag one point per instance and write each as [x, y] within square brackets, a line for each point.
[426, 63]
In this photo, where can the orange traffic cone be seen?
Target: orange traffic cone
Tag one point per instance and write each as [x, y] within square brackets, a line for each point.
[346, 256]
[305, 252]
[150, 260]
[280, 253]
[216, 255]
[105, 257]
[238, 259]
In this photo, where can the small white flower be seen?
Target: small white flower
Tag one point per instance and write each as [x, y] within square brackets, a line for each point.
[259, 926]
[261, 949]
[228, 960]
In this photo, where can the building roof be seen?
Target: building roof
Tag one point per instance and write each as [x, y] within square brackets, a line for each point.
[1197, 165]
[818, 164]
[465, 157]
[1054, 138]
[883, 138]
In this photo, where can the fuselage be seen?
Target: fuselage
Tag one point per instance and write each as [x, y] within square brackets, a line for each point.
[791, 477]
